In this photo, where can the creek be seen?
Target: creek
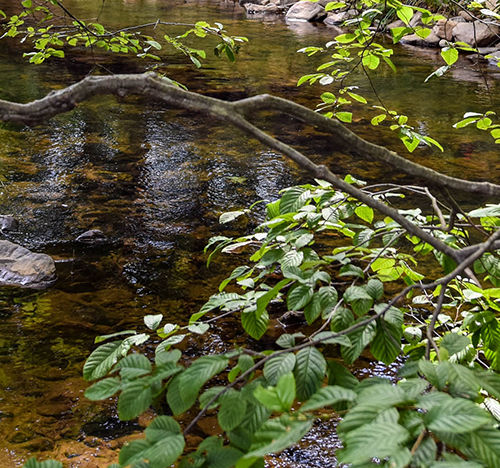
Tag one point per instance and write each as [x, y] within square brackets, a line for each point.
[155, 181]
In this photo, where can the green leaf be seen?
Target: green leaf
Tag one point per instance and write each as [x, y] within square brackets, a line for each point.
[279, 398]
[278, 366]
[299, 296]
[310, 369]
[26, 3]
[375, 288]
[153, 321]
[33, 463]
[376, 439]
[456, 416]
[313, 310]
[264, 300]
[454, 343]
[328, 396]
[162, 447]
[277, 434]
[405, 14]
[371, 61]
[359, 299]
[365, 213]
[386, 345]
[359, 339]
[199, 328]
[183, 390]
[485, 442]
[101, 360]
[133, 366]
[232, 411]
[344, 116]
[450, 55]
[255, 325]
[103, 389]
[135, 398]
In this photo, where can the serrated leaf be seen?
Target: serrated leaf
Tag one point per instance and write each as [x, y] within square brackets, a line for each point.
[232, 411]
[183, 390]
[328, 396]
[135, 398]
[277, 434]
[386, 345]
[277, 366]
[309, 371]
[133, 366]
[101, 360]
[299, 297]
[103, 389]
[375, 289]
[34, 463]
[454, 343]
[255, 325]
[456, 416]
[359, 299]
[376, 439]
[359, 339]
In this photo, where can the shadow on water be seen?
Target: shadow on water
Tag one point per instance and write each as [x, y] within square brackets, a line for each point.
[155, 181]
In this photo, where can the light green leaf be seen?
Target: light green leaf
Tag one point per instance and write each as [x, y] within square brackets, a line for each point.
[450, 55]
[365, 213]
[153, 321]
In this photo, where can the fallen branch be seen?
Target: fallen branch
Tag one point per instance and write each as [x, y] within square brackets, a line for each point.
[158, 89]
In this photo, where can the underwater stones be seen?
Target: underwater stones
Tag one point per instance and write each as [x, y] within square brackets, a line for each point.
[92, 237]
[25, 269]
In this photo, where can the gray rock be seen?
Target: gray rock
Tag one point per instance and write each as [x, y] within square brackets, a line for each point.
[306, 11]
[23, 268]
[254, 9]
[476, 34]
[444, 29]
[430, 41]
[466, 15]
[93, 237]
[8, 223]
[395, 24]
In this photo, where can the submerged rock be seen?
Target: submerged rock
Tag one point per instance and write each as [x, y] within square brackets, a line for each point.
[92, 237]
[23, 268]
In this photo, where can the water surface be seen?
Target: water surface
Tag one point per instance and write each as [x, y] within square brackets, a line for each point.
[155, 181]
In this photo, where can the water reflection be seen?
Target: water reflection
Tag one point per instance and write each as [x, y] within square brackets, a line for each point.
[155, 181]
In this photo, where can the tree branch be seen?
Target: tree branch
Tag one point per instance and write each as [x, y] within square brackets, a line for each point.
[154, 87]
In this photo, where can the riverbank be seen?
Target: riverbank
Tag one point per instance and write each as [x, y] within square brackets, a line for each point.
[478, 29]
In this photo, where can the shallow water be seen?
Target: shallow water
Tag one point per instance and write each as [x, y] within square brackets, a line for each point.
[155, 182]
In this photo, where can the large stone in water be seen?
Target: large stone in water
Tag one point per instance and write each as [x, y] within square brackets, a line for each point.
[23, 268]
[306, 11]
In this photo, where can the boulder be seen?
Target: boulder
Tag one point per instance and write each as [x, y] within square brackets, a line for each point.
[395, 24]
[8, 223]
[23, 268]
[92, 237]
[467, 16]
[444, 29]
[306, 11]
[476, 34]
[255, 9]
[412, 39]
[340, 17]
